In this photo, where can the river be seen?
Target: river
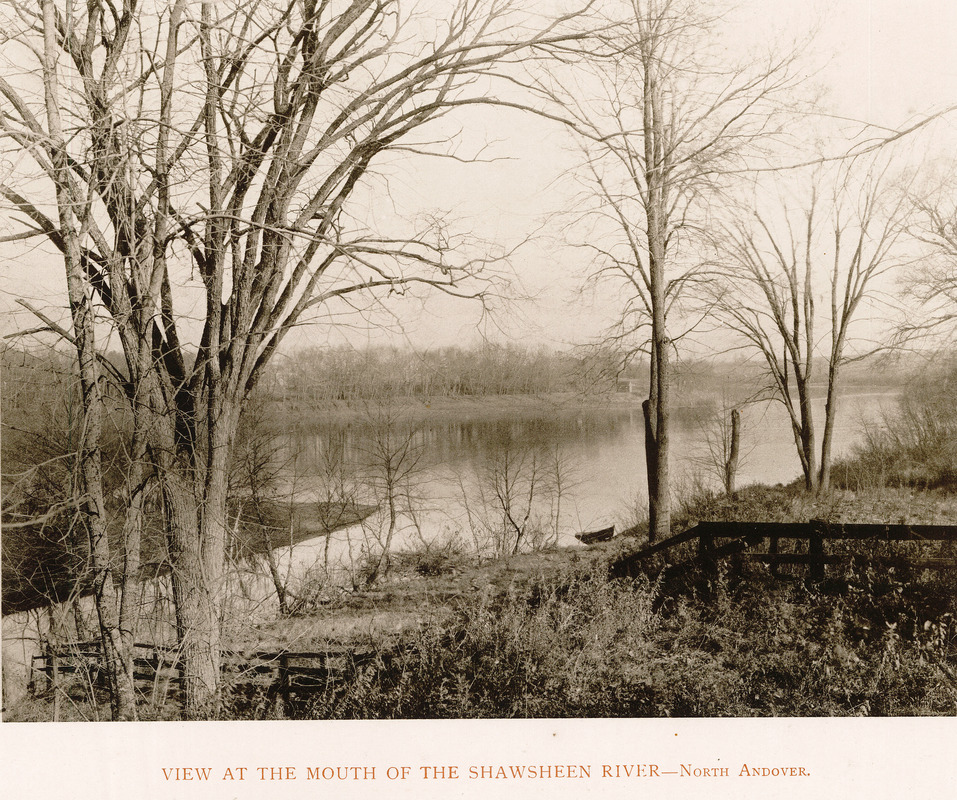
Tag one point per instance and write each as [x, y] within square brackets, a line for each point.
[588, 473]
[582, 468]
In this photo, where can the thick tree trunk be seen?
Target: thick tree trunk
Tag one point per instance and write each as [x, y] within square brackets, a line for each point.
[659, 486]
[656, 206]
[222, 421]
[117, 649]
[808, 457]
[197, 612]
[830, 414]
[657, 423]
[651, 457]
[130, 581]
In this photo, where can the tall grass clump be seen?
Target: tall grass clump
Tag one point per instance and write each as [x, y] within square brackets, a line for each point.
[547, 648]
[581, 645]
[914, 444]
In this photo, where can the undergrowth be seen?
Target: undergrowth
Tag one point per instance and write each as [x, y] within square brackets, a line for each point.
[579, 644]
[912, 445]
[587, 646]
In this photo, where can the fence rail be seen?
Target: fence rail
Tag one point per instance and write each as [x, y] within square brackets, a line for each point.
[158, 669]
[761, 541]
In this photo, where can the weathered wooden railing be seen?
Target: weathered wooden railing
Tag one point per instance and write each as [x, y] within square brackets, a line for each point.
[744, 540]
[157, 668]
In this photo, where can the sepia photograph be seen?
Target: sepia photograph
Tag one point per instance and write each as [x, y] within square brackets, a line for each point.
[581, 364]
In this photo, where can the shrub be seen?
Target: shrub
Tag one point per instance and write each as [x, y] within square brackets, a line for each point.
[914, 445]
[584, 646]
[432, 559]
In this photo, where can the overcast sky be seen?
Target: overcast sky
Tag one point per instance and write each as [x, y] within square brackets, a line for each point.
[886, 62]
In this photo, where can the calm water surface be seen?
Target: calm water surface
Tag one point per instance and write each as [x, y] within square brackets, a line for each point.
[595, 456]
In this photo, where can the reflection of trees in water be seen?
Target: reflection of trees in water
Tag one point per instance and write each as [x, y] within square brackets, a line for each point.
[602, 447]
[454, 441]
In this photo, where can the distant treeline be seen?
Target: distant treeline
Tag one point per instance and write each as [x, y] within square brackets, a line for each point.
[319, 375]
[316, 375]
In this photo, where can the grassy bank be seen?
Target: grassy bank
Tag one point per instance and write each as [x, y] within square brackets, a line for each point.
[594, 648]
[567, 641]
[283, 415]
[548, 634]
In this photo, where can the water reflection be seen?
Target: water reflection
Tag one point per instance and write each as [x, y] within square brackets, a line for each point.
[601, 450]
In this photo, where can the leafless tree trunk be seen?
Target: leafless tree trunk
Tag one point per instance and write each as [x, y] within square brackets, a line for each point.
[226, 151]
[734, 451]
[846, 234]
[70, 203]
[391, 468]
[671, 123]
[657, 418]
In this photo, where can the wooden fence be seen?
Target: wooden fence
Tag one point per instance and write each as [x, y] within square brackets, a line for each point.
[809, 546]
[157, 669]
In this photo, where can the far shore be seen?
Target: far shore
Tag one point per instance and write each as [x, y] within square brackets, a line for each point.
[492, 407]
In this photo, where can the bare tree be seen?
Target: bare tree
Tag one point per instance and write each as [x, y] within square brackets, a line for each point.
[721, 452]
[934, 283]
[73, 215]
[391, 467]
[662, 118]
[515, 502]
[223, 155]
[785, 254]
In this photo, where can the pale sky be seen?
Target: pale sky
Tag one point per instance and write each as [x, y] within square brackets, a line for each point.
[884, 61]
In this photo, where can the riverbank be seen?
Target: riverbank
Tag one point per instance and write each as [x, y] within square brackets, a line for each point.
[426, 584]
[549, 634]
[689, 402]
[60, 573]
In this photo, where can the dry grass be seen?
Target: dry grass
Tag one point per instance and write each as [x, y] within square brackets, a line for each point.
[584, 646]
[548, 634]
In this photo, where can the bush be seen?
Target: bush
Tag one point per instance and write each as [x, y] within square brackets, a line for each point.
[915, 445]
[432, 559]
[586, 646]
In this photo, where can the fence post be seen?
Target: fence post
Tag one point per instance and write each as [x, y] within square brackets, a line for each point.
[709, 563]
[54, 667]
[816, 549]
[773, 549]
[283, 683]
